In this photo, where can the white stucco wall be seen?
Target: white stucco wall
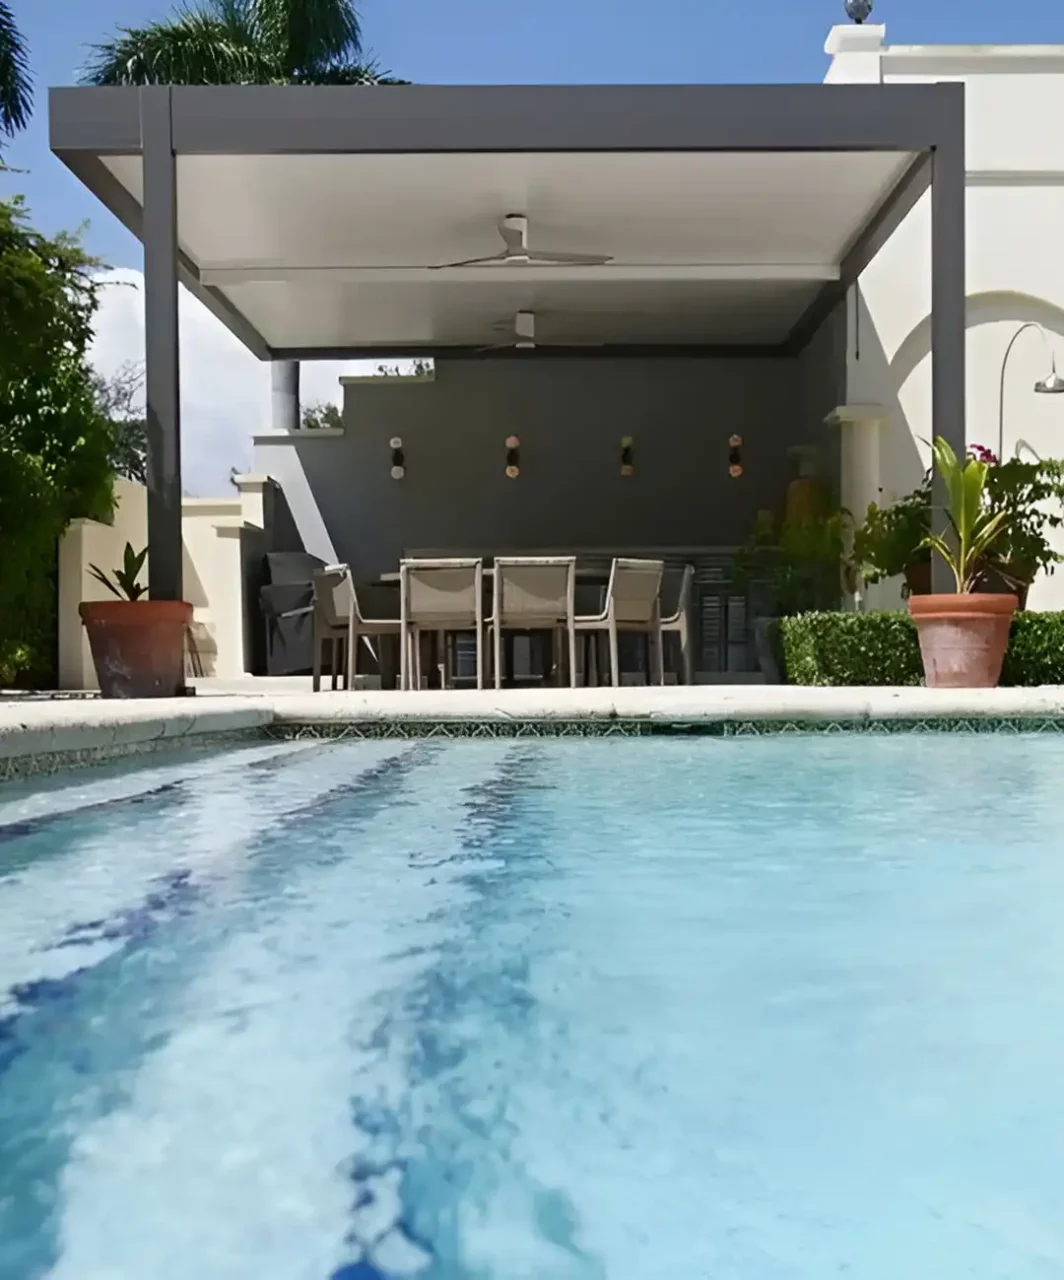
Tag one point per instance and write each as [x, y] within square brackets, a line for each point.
[1015, 209]
[211, 531]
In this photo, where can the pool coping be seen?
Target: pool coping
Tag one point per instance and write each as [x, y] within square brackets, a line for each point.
[50, 736]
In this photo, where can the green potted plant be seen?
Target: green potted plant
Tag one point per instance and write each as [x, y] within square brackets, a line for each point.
[1031, 494]
[963, 637]
[800, 563]
[891, 542]
[138, 645]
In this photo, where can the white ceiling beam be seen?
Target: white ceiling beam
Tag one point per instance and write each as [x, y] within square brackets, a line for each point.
[222, 277]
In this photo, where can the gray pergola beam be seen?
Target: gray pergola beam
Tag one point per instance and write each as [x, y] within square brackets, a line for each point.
[949, 298]
[546, 351]
[317, 120]
[162, 381]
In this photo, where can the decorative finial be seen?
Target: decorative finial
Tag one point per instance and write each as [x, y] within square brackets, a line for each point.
[858, 10]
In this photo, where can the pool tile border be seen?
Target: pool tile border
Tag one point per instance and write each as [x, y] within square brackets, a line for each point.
[642, 728]
[42, 763]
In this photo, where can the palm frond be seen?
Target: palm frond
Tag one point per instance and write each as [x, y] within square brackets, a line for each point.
[16, 85]
[346, 73]
[308, 33]
[195, 47]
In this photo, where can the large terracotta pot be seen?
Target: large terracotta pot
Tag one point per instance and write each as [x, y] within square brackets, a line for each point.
[138, 646]
[963, 638]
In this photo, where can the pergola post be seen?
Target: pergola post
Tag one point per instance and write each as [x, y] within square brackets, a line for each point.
[948, 312]
[161, 344]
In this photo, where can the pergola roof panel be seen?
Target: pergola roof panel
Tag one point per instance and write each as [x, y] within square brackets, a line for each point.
[317, 313]
[421, 210]
[311, 220]
[750, 214]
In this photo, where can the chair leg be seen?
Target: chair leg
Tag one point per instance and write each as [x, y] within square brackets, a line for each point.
[615, 664]
[319, 644]
[416, 642]
[334, 662]
[686, 655]
[353, 642]
[572, 656]
[659, 655]
[496, 653]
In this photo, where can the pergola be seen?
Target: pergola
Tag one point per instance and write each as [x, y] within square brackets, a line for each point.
[314, 222]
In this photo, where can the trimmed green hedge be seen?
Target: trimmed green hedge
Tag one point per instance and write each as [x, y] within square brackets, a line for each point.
[855, 649]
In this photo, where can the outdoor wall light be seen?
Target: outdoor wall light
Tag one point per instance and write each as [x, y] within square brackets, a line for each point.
[735, 456]
[513, 457]
[398, 458]
[627, 462]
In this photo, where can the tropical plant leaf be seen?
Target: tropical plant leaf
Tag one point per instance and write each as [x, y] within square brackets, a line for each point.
[214, 46]
[16, 84]
[347, 73]
[133, 561]
[100, 576]
[308, 34]
[242, 42]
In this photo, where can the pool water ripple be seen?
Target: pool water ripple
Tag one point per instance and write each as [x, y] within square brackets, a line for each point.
[551, 1010]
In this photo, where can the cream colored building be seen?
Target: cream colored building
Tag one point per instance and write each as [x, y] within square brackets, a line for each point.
[1014, 101]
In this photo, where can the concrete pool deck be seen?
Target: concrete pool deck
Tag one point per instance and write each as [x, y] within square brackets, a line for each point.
[39, 735]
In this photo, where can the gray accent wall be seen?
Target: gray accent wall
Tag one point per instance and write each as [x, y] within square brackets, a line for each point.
[822, 379]
[570, 415]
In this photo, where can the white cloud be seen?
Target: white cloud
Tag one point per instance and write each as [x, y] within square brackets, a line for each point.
[225, 390]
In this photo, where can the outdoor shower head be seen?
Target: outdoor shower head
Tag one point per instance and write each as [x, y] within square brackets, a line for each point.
[858, 10]
[1052, 384]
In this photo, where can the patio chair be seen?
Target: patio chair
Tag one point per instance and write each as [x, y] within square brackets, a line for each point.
[679, 624]
[439, 596]
[533, 593]
[633, 604]
[340, 624]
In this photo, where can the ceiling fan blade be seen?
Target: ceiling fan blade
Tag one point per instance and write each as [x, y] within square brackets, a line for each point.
[546, 258]
[490, 260]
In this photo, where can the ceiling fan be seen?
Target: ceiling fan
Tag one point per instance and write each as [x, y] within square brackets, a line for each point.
[523, 330]
[515, 252]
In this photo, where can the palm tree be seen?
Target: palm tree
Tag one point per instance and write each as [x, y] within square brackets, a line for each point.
[16, 92]
[240, 42]
[244, 42]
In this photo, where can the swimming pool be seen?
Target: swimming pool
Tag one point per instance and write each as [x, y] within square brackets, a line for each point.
[537, 1010]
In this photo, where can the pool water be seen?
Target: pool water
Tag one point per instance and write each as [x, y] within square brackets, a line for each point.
[620, 1009]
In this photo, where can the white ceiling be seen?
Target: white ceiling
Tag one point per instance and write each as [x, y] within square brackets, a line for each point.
[333, 250]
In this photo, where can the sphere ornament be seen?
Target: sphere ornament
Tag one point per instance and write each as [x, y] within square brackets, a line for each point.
[858, 10]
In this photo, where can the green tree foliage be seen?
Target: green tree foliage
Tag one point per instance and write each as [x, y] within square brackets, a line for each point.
[16, 88]
[120, 399]
[241, 42]
[56, 446]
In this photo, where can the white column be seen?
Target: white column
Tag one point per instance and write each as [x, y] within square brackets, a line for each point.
[859, 426]
[855, 52]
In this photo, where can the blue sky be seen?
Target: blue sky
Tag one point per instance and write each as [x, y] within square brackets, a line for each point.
[500, 41]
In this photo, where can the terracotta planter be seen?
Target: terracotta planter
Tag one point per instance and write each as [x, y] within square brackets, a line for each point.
[138, 646]
[963, 638]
